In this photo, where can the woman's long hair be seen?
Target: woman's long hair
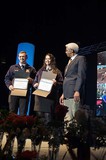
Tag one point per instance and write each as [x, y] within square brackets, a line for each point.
[52, 63]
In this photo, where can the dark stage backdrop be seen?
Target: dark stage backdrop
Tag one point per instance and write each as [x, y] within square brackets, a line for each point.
[49, 26]
[90, 97]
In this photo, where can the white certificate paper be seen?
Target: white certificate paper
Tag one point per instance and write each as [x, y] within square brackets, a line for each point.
[20, 83]
[45, 85]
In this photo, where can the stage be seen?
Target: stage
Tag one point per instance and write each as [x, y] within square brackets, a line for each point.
[63, 152]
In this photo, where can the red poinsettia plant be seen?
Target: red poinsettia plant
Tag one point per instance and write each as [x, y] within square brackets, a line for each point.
[60, 112]
[27, 155]
[32, 127]
[21, 127]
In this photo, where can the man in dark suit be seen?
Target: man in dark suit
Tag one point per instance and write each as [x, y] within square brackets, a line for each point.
[74, 80]
[20, 102]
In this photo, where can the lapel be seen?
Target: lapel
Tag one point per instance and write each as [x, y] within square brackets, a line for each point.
[67, 68]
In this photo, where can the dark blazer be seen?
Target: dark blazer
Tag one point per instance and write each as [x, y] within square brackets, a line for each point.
[10, 75]
[74, 77]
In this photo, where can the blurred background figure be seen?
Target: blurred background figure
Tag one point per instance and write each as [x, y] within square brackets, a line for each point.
[104, 103]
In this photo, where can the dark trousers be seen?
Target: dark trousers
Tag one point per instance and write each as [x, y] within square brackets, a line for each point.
[16, 102]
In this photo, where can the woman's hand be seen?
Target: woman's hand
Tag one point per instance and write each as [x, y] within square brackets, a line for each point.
[54, 81]
[35, 85]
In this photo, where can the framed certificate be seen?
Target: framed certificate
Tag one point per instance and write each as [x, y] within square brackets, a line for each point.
[45, 84]
[20, 87]
[20, 83]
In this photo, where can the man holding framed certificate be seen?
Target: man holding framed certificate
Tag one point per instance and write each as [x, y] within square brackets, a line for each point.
[19, 79]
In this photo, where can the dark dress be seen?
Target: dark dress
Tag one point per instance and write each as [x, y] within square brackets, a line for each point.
[48, 104]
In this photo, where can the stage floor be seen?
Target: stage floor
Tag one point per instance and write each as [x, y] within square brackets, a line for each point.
[95, 154]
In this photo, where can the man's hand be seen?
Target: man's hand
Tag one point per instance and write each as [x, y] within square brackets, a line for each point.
[77, 96]
[61, 100]
[11, 87]
[30, 80]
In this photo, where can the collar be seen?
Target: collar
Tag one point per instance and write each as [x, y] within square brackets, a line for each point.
[22, 64]
[48, 68]
[72, 58]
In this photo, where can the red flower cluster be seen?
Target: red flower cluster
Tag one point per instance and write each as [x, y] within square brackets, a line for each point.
[1, 122]
[20, 121]
[60, 112]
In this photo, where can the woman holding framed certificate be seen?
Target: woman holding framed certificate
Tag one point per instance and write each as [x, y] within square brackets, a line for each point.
[45, 105]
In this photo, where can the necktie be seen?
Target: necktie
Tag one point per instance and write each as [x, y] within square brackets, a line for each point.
[22, 67]
[68, 64]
